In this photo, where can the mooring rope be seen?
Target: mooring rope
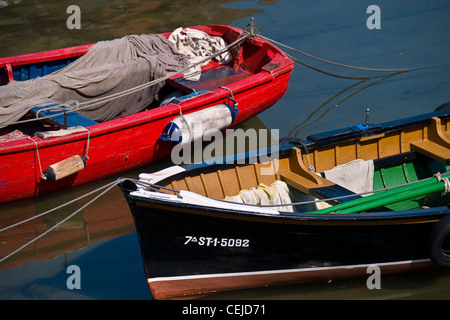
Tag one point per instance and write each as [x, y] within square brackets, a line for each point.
[299, 127]
[43, 177]
[154, 187]
[394, 70]
[332, 62]
[107, 188]
[326, 72]
[73, 105]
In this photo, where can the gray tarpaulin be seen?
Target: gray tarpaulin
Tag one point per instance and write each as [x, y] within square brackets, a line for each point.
[108, 67]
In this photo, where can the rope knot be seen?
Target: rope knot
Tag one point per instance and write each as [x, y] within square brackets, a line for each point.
[446, 183]
[447, 186]
[71, 105]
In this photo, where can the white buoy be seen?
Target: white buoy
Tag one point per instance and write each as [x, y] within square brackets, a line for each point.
[193, 126]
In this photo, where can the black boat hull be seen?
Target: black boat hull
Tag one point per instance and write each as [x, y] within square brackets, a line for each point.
[189, 250]
[193, 243]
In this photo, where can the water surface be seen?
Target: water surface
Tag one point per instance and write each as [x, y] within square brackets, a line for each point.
[102, 241]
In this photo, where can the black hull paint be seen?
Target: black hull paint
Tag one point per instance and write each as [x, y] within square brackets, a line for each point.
[183, 242]
[189, 248]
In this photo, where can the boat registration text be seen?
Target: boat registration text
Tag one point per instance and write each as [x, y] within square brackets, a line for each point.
[217, 242]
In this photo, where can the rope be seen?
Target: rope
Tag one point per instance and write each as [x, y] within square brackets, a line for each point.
[38, 158]
[83, 105]
[158, 188]
[113, 183]
[326, 72]
[346, 196]
[87, 143]
[305, 123]
[62, 206]
[73, 105]
[446, 183]
[108, 187]
[70, 105]
[334, 63]
[345, 65]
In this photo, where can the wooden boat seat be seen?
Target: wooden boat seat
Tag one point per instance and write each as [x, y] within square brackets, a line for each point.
[432, 150]
[299, 177]
[437, 144]
[70, 119]
[210, 79]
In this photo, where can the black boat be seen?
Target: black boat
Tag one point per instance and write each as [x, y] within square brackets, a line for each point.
[306, 223]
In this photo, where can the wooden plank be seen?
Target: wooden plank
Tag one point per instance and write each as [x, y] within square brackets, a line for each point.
[437, 144]
[304, 184]
[432, 150]
[229, 182]
[212, 185]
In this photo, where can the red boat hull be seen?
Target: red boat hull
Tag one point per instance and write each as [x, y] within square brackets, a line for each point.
[133, 141]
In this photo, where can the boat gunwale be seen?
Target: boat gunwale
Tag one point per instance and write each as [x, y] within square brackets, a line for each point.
[425, 215]
[329, 138]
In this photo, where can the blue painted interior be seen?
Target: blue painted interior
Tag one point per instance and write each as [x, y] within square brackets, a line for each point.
[36, 70]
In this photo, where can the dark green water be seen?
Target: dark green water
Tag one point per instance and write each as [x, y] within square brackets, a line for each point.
[101, 240]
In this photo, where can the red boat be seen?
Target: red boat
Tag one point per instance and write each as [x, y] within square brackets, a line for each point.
[46, 150]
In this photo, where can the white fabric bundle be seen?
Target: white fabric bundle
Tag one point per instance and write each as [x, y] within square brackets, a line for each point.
[198, 45]
[276, 193]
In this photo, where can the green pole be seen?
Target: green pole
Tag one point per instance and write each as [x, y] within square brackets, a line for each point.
[420, 185]
[395, 198]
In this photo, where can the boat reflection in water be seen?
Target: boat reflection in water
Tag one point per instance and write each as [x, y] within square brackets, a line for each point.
[105, 219]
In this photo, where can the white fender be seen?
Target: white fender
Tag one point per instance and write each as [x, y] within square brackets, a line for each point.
[65, 168]
[193, 126]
